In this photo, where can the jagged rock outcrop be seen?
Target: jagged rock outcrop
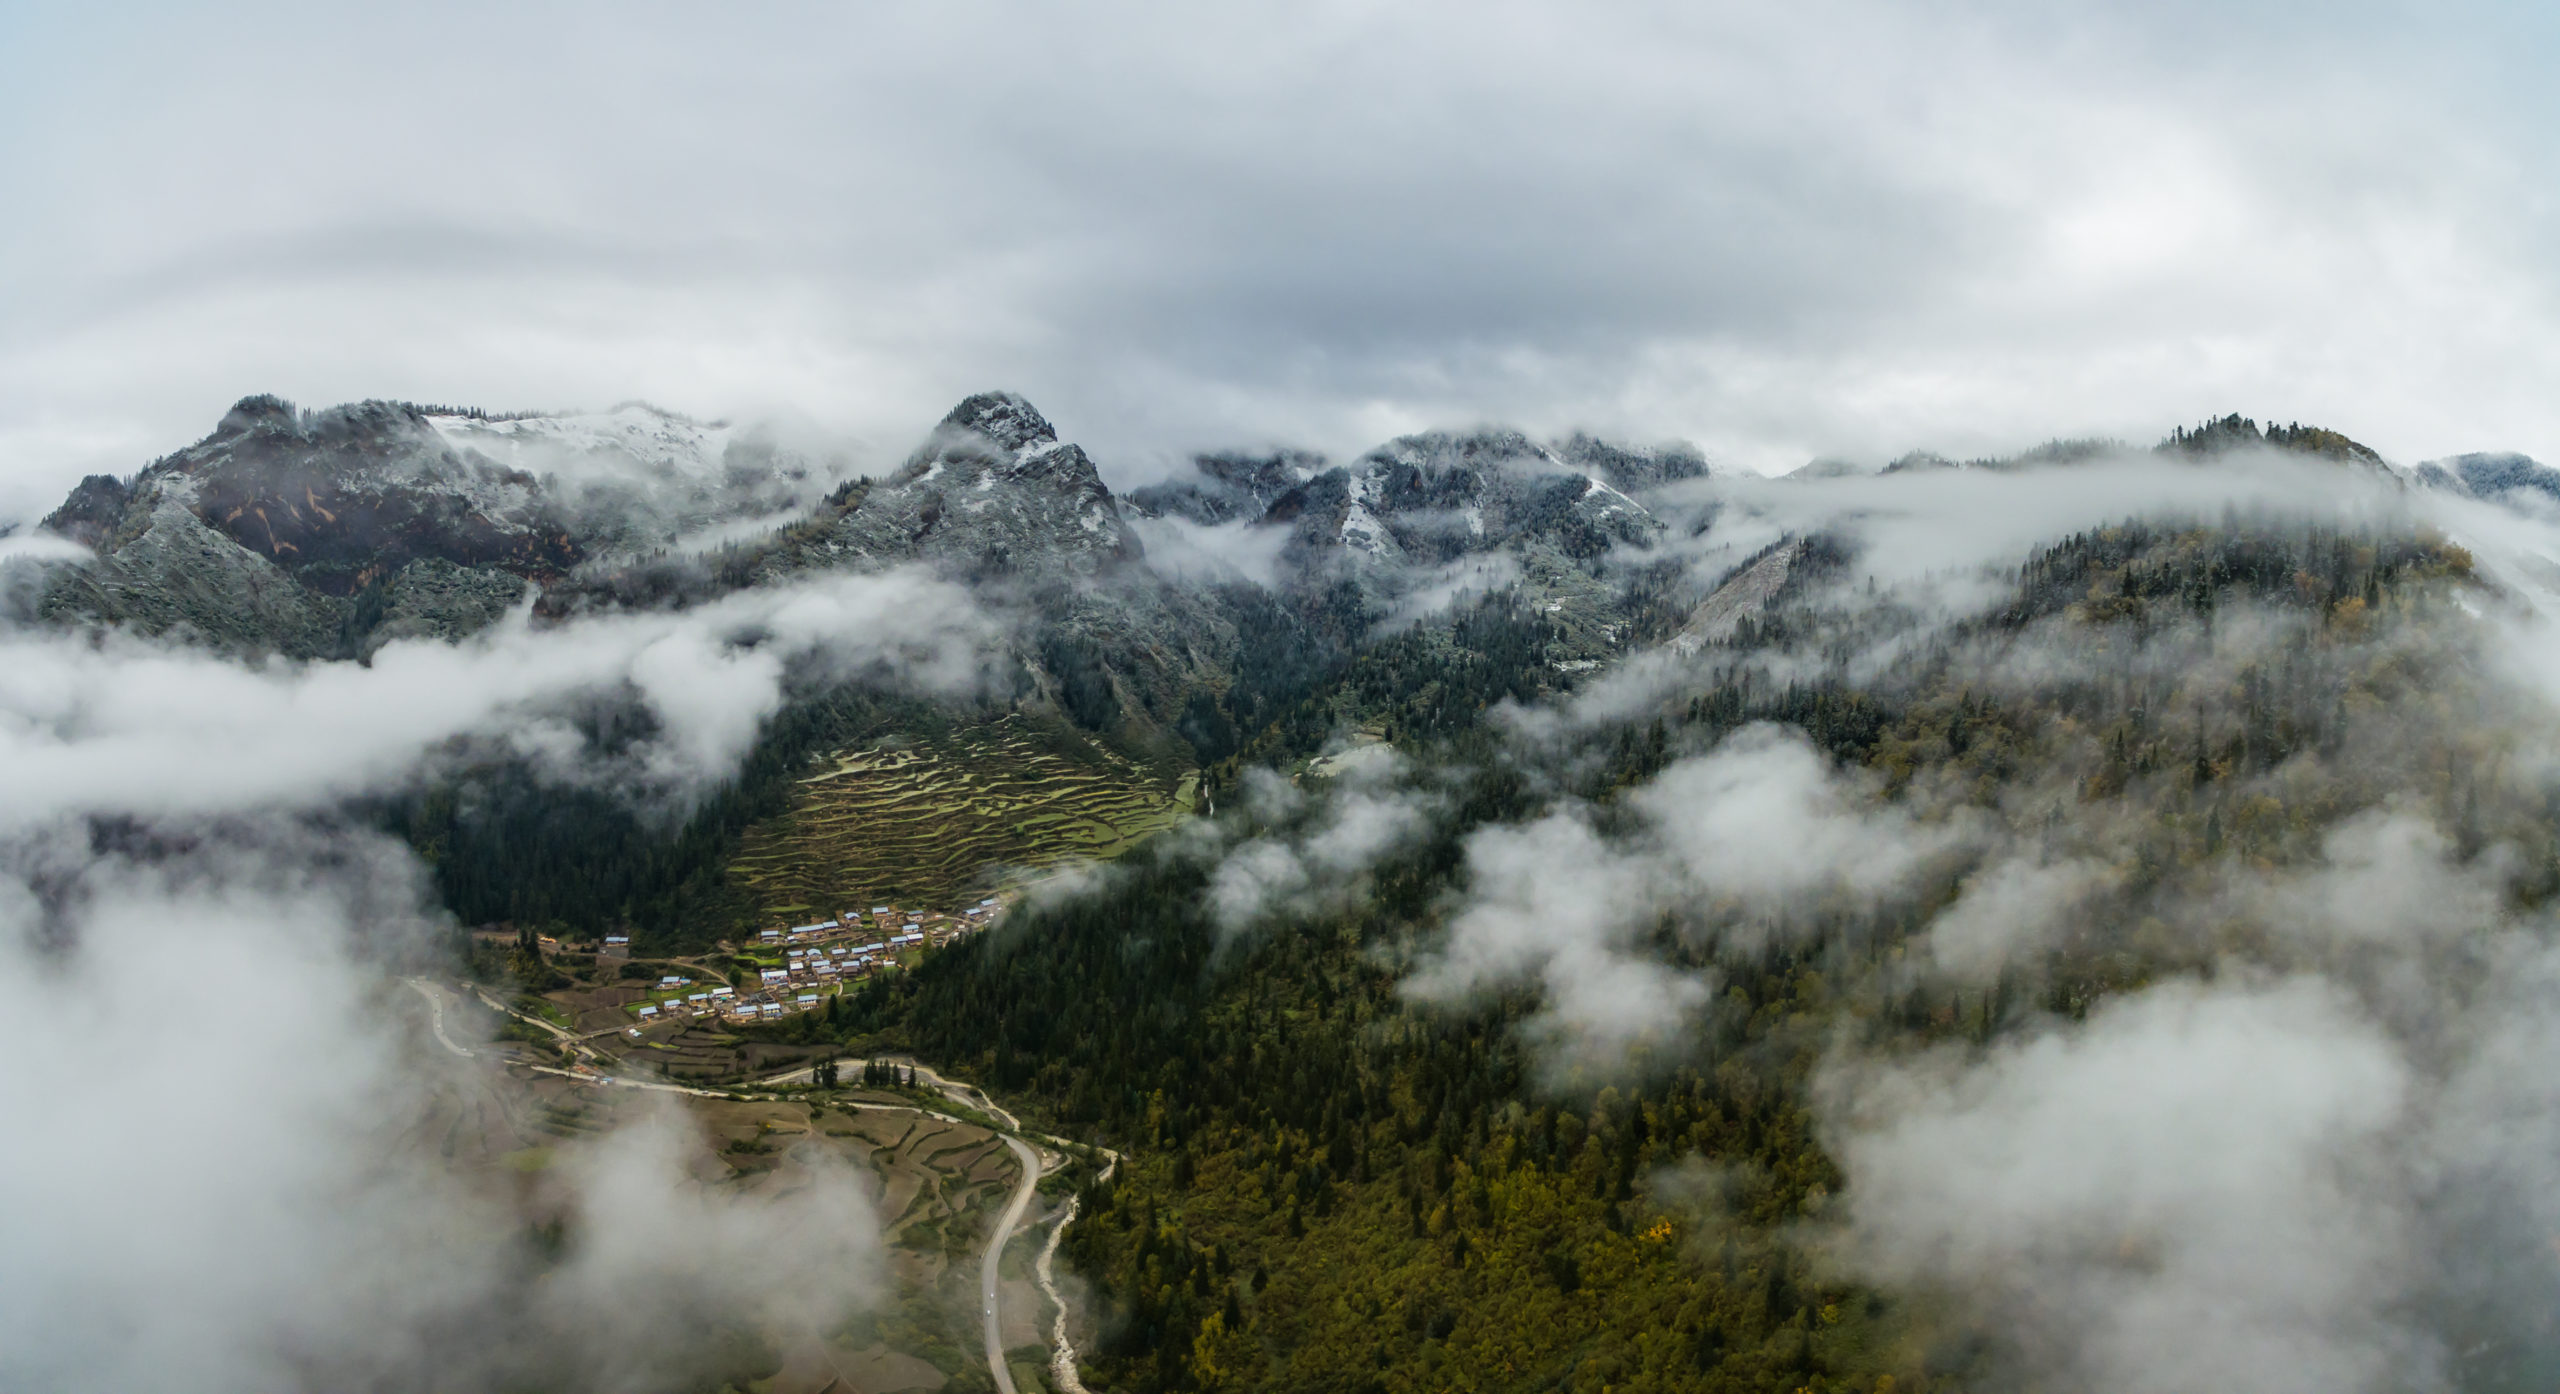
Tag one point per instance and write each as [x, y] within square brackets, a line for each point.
[992, 494]
[330, 533]
[347, 495]
[378, 520]
[286, 531]
[1427, 500]
[92, 511]
[1631, 469]
[1227, 488]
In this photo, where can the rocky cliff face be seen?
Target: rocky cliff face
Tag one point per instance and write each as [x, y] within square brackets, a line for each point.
[329, 533]
[285, 531]
[1227, 488]
[168, 572]
[346, 496]
[1428, 500]
[992, 495]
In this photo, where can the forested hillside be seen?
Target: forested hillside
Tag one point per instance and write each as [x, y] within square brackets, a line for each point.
[1529, 935]
[1332, 1185]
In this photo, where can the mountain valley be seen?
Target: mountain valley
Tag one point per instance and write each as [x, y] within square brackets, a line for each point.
[1506, 909]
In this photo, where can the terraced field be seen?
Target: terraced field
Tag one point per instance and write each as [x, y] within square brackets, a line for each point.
[925, 823]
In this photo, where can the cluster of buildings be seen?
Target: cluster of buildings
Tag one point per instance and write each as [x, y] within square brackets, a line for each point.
[811, 958]
[853, 942]
[719, 1000]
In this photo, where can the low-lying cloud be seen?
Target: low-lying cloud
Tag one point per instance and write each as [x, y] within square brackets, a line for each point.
[1309, 861]
[2197, 1189]
[216, 1173]
[2332, 1178]
[1759, 837]
[2300, 1140]
[118, 725]
[1185, 551]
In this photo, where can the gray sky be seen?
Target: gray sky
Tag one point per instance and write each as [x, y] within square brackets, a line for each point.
[1823, 228]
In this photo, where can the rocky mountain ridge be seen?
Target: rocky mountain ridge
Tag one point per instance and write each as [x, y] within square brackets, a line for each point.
[1432, 497]
[329, 533]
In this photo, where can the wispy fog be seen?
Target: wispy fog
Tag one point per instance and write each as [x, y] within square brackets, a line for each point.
[114, 725]
[1731, 847]
[1305, 855]
[2300, 1143]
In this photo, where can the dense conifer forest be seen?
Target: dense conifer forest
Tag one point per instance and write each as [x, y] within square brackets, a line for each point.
[1331, 1187]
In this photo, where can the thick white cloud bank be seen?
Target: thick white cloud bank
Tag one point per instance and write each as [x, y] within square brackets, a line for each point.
[116, 725]
[211, 1176]
[2202, 1188]
[214, 1176]
[1842, 228]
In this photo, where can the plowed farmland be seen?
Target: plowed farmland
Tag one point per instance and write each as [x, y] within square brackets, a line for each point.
[926, 822]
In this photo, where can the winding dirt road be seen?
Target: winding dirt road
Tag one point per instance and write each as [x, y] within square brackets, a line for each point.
[435, 1008]
[990, 1266]
[991, 1260]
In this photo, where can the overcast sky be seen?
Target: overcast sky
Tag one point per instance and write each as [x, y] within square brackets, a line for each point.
[1778, 231]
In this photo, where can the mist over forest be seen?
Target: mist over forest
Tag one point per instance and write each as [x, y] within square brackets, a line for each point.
[1325, 698]
[2079, 917]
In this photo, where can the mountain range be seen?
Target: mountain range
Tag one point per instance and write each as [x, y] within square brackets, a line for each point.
[325, 534]
[1563, 839]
